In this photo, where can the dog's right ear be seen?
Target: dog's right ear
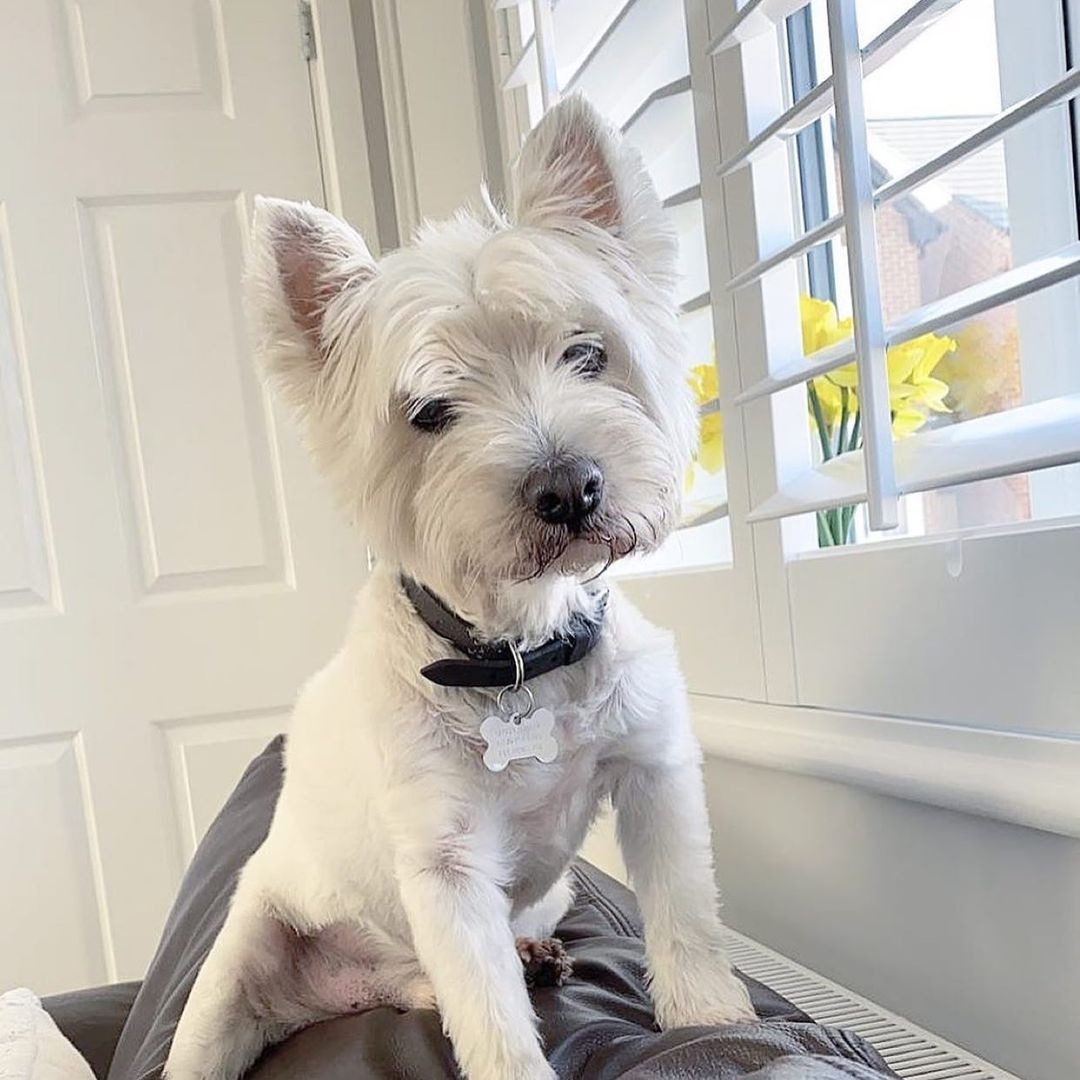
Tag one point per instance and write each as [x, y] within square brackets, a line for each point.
[307, 273]
[576, 169]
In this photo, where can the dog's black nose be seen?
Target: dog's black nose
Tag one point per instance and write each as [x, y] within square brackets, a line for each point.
[565, 491]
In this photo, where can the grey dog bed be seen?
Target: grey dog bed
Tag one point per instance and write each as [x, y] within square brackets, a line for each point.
[598, 1026]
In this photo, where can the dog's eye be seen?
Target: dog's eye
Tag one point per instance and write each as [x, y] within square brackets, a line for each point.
[588, 357]
[434, 415]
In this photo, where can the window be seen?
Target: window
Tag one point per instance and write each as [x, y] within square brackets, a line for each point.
[978, 218]
[889, 197]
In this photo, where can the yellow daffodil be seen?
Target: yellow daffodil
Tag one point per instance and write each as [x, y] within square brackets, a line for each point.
[710, 452]
[914, 360]
[828, 392]
[913, 392]
[705, 382]
[821, 326]
[983, 373]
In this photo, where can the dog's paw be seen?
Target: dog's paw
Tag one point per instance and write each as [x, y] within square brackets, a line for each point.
[715, 1000]
[546, 961]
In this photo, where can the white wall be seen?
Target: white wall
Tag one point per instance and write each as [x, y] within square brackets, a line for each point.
[967, 925]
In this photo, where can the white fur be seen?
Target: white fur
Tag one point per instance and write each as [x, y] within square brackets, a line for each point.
[390, 836]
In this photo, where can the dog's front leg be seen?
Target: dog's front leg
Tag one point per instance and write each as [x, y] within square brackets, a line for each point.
[460, 922]
[663, 830]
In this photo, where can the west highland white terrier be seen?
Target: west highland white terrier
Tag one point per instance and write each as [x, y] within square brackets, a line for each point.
[503, 407]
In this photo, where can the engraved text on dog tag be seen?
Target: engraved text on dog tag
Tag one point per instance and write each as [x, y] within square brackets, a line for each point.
[513, 738]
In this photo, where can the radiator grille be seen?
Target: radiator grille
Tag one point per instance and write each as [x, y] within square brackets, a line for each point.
[911, 1051]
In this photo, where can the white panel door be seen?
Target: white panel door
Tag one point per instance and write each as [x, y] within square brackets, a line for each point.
[170, 568]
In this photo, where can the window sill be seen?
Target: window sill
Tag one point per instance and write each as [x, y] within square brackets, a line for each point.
[1016, 777]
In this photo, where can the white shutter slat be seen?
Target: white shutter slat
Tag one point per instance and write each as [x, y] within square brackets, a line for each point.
[1024, 439]
[578, 30]
[645, 47]
[662, 131]
[524, 69]
[805, 111]
[706, 514]
[754, 18]
[825, 231]
[800, 369]
[695, 303]
[668, 92]
[686, 195]
[812, 106]
[1012, 285]
[1068, 86]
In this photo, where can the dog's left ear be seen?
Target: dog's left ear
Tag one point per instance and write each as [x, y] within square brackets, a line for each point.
[307, 275]
[575, 168]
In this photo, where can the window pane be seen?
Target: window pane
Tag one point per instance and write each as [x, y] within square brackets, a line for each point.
[1013, 202]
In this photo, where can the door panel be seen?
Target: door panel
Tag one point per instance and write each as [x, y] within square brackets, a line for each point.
[198, 477]
[27, 568]
[171, 569]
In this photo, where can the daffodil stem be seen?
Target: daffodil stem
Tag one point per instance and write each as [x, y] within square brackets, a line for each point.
[853, 443]
[824, 539]
[819, 422]
[843, 516]
[840, 447]
[826, 526]
[847, 513]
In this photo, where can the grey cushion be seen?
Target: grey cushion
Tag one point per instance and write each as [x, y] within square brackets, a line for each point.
[598, 1026]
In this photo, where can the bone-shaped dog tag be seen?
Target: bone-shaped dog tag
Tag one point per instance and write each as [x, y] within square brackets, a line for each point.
[514, 738]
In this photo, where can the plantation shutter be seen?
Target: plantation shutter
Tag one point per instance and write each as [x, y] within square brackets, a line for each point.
[1026, 438]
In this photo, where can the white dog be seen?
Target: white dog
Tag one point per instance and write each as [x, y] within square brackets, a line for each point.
[504, 408]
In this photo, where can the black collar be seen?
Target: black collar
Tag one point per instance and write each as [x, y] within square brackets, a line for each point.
[492, 663]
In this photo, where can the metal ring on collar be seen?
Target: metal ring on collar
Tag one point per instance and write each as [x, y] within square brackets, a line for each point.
[500, 701]
[519, 666]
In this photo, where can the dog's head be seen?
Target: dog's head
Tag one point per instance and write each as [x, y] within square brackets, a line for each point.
[502, 399]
